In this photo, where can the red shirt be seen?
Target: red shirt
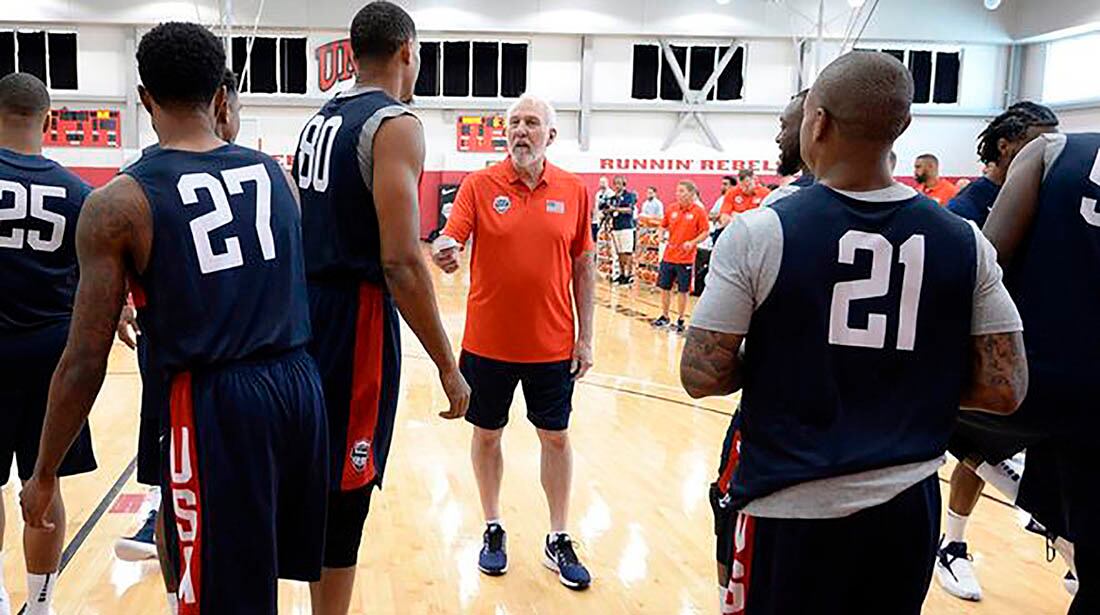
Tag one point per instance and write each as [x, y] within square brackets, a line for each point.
[684, 223]
[941, 193]
[520, 307]
[737, 202]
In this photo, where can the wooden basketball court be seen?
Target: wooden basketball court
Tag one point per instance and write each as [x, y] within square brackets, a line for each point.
[645, 454]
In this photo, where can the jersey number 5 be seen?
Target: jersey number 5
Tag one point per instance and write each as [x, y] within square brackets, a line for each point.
[878, 285]
[1088, 206]
[201, 227]
[18, 211]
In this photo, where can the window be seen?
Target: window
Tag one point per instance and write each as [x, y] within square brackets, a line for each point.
[1063, 79]
[935, 73]
[481, 69]
[276, 65]
[50, 56]
[653, 76]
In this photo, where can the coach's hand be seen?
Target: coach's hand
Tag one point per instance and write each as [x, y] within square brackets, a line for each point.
[38, 493]
[128, 327]
[582, 359]
[447, 260]
[458, 393]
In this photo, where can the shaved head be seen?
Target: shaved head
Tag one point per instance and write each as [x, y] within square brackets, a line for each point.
[23, 94]
[867, 94]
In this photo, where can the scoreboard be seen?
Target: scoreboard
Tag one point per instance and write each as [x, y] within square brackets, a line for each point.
[481, 133]
[83, 128]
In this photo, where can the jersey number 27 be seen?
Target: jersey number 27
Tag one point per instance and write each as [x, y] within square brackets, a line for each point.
[201, 227]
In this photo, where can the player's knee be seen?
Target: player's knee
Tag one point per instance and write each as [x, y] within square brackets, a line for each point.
[554, 440]
[486, 438]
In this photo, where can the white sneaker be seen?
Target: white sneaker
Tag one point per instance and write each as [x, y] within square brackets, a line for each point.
[955, 572]
[1070, 583]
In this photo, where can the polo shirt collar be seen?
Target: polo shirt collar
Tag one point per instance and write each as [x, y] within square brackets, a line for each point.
[513, 177]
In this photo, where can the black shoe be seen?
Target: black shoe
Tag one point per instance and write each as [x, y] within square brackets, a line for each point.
[493, 559]
[680, 326]
[663, 321]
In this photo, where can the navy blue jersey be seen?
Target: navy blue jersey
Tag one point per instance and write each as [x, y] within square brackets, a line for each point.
[225, 279]
[856, 360]
[39, 204]
[1055, 277]
[339, 220]
[622, 221]
[975, 201]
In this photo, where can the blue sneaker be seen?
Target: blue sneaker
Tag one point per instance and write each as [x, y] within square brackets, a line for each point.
[493, 559]
[142, 545]
[561, 558]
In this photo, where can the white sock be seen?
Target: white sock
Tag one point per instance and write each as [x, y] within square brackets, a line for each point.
[40, 593]
[1003, 480]
[1065, 549]
[494, 522]
[173, 604]
[956, 528]
[554, 535]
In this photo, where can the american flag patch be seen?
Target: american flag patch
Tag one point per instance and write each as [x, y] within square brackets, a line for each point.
[555, 207]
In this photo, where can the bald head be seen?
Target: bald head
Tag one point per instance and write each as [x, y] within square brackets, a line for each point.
[24, 95]
[867, 95]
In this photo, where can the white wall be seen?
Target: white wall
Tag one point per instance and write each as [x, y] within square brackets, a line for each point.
[1050, 17]
[1085, 120]
[951, 19]
[554, 73]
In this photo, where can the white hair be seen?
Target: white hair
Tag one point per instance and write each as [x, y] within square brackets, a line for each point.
[549, 114]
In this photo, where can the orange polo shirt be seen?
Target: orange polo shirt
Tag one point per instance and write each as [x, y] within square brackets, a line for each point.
[520, 307]
[684, 223]
[941, 193]
[737, 202]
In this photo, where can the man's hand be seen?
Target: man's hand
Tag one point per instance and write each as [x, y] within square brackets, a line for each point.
[37, 495]
[128, 327]
[689, 246]
[445, 254]
[582, 359]
[458, 393]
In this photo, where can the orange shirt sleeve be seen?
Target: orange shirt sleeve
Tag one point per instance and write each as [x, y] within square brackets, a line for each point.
[582, 241]
[727, 202]
[463, 212]
[665, 221]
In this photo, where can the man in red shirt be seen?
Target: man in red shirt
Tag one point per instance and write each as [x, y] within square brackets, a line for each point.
[926, 170]
[532, 260]
[686, 223]
[744, 196]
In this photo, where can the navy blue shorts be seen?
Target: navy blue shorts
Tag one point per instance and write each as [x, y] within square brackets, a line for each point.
[154, 418]
[27, 363]
[357, 345]
[724, 514]
[247, 482]
[673, 271]
[878, 560]
[547, 388]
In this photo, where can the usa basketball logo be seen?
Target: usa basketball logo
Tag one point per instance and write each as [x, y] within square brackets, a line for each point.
[360, 451]
[502, 204]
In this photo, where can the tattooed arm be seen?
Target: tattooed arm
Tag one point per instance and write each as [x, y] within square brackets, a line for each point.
[998, 377]
[114, 219]
[710, 364]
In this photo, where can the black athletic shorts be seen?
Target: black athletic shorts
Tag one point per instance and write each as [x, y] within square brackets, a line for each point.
[547, 387]
[670, 272]
[27, 363]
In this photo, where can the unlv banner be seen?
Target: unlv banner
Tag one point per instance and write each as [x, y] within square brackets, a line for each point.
[334, 64]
